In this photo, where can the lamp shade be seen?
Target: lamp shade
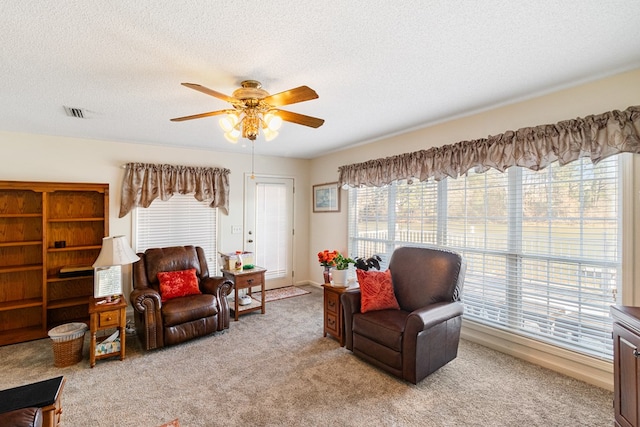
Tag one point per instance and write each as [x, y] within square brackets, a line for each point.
[115, 251]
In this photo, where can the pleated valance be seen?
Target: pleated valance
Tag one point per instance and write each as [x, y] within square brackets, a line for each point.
[596, 136]
[144, 182]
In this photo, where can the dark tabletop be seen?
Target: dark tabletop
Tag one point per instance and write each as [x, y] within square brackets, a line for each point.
[40, 394]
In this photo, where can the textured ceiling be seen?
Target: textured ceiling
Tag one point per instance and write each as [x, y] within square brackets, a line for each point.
[378, 66]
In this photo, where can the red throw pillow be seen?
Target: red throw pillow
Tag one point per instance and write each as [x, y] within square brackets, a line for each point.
[376, 291]
[175, 284]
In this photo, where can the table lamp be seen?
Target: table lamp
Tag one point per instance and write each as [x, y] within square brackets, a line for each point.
[107, 279]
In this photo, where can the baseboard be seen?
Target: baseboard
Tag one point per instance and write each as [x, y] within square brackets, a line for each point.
[584, 368]
[308, 282]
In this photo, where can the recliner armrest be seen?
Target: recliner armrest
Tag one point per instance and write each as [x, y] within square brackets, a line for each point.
[141, 298]
[216, 285]
[350, 305]
[221, 288]
[424, 318]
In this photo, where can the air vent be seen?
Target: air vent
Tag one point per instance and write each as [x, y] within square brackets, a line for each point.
[74, 112]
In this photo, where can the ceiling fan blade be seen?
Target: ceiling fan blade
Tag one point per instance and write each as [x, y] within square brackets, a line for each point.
[300, 119]
[199, 116]
[211, 92]
[291, 96]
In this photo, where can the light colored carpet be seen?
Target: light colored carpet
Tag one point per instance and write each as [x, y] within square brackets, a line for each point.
[276, 369]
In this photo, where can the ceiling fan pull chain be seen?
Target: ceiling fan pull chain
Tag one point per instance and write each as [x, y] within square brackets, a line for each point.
[253, 143]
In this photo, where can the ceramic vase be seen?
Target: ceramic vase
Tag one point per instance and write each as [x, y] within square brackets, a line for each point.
[327, 275]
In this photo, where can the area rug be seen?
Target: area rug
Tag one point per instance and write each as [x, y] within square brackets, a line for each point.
[279, 293]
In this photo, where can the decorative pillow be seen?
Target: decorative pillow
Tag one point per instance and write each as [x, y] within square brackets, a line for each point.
[376, 291]
[180, 283]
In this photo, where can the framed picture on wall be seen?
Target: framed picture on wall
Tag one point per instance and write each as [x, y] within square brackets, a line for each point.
[326, 197]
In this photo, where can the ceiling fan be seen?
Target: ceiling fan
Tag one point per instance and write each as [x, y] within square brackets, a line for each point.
[254, 109]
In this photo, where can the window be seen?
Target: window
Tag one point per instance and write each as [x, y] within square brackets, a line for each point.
[179, 221]
[543, 249]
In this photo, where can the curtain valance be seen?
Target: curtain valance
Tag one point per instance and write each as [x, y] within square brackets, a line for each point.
[596, 136]
[144, 182]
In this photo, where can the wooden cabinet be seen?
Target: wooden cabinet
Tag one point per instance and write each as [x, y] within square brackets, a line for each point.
[626, 365]
[333, 316]
[45, 227]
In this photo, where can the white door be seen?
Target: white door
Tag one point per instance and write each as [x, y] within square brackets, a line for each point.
[268, 227]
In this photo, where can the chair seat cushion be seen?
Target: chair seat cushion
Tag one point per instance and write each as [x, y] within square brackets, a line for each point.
[185, 309]
[382, 326]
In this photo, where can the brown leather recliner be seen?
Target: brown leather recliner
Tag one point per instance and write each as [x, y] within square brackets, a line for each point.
[423, 335]
[25, 417]
[176, 320]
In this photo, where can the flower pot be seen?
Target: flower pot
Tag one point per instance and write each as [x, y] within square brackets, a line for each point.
[339, 277]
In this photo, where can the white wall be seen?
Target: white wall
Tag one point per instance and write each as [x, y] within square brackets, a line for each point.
[328, 230]
[30, 157]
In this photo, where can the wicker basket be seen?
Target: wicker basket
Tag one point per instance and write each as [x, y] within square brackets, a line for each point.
[67, 344]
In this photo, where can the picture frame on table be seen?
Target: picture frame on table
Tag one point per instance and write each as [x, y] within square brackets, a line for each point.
[326, 197]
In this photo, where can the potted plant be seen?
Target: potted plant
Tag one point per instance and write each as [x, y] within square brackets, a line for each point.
[367, 263]
[342, 262]
[340, 273]
[337, 261]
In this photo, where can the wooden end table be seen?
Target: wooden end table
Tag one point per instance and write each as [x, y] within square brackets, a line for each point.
[246, 279]
[105, 316]
[45, 394]
[333, 315]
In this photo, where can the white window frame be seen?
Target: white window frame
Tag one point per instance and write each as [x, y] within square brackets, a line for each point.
[384, 241]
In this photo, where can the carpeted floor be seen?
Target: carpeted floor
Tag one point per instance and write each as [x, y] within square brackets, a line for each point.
[276, 369]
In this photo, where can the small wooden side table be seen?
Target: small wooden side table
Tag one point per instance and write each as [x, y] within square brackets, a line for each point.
[45, 394]
[246, 279]
[333, 316]
[107, 316]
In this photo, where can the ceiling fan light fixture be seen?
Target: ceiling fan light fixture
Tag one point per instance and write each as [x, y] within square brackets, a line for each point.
[254, 109]
[269, 135]
[229, 122]
[272, 121]
[232, 136]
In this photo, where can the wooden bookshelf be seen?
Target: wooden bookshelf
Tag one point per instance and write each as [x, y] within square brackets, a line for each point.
[33, 217]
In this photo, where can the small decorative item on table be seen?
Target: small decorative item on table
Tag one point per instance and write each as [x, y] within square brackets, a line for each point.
[333, 259]
[327, 274]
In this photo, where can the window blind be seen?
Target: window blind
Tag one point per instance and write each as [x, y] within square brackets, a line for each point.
[271, 225]
[542, 248]
[180, 221]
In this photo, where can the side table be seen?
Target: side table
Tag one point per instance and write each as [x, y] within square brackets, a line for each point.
[105, 316]
[333, 316]
[45, 394]
[246, 279]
